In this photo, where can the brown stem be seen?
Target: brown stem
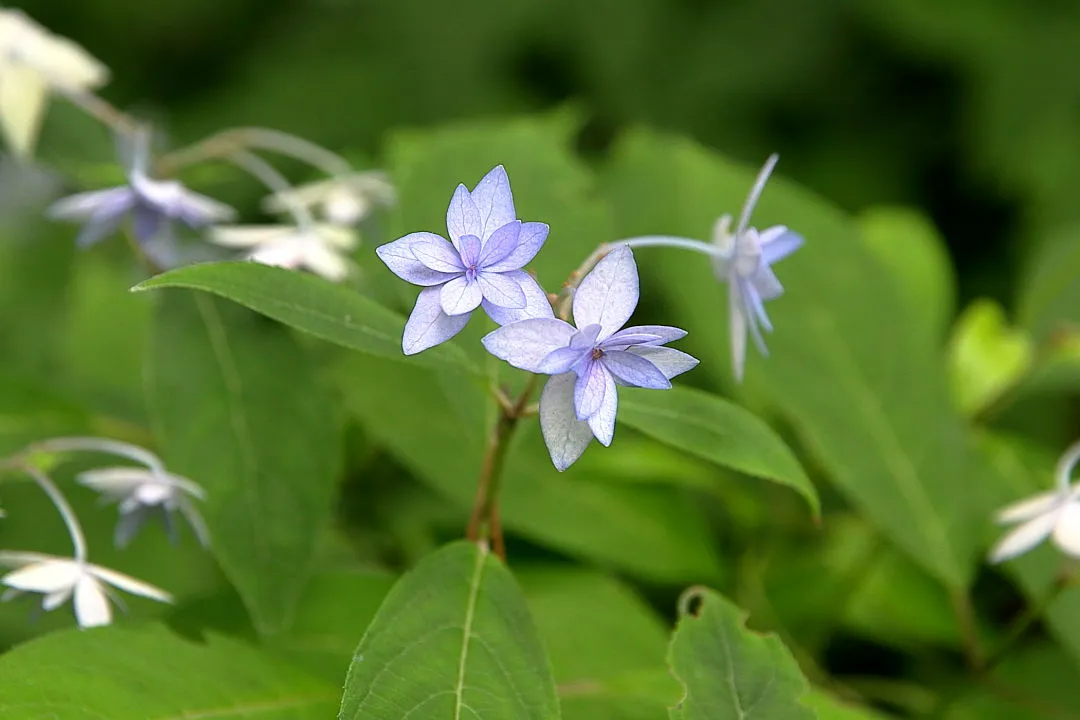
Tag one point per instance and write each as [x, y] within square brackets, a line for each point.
[965, 616]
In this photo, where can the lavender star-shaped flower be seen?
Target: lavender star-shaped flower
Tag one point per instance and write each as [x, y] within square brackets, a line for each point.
[151, 204]
[480, 266]
[586, 363]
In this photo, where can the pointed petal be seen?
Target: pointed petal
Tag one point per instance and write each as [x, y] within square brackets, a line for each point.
[53, 600]
[470, 250]
[1030, 507]
[755, 193]
[250, 236]
[501, 290]
[589, 390]
[460, 296]
[777, 243]
[526, 343]
[88, 205]
[195, 520]
[608, 294]
[499, 245]
[531, 238]
[561, 360]
[462, 217]
[399, 257]
[326, 262]
[537, 304]
[1024, 538]
[737, 329]
[23, 94]
[18, 558]
[435, 253]
[755, 315]
[129, 584]
[428, 325]
[1067, 530]
[663, 333]
[115, 480]
[43, 577]
[670, 361]
[566, 437]
[602, 422]
[146, 221]
[635, 370]
[128, 525]
[494, 202]
[197, 210]
[91, 606]
[766, 284]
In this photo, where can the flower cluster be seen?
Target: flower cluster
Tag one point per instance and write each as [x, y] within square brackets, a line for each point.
[141, 491]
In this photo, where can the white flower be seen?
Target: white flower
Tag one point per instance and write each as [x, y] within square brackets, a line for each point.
[1054, 514]
[319, 248]
[342, 200]
[33, 61]
[58, 579]
[141, 492]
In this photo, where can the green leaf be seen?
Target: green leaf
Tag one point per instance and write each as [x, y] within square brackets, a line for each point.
[1034, 683]
[728, 671]
[906, 241]
[868, 397]
[828, 707]
[139, 673]
[308, 303]
[238, 410]
[716, 430]
[986, 357]
[452, 639]
[606, 645]
[1050, 291]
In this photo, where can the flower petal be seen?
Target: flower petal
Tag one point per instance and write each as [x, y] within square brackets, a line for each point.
[777, 243]
[766, 284]
[589, 390]
[608, 294]
[147, 222]
[470, 250]
[561, 360]
[566, 437]
[499, 245]
[428, 325]
[399, 257]
[670, 361]
[1067, 530]
[197, 210]
[23, 96]
[530, 239]
[435, 253]
[462, 217]
[88, 205]
[754, 310]
[91, 605]
[459, 296]
[602, 422]
[737, 329]
[44, 577]
[526, 343]
[129, 584]
[1024, 538]
[53, 600]
[494, 202]
[1030, 507]
[537, 304]
[325, 262]
[116, 480]
[664, 333]
[501, 290]
[635, 370]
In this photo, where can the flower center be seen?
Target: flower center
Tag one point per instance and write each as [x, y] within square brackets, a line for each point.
[597, 353]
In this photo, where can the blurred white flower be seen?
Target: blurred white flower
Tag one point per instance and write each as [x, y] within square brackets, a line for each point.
[142, 492]
[59, 579]
[33, 61]
[319, 248]
[342, 200]
[1054, 514]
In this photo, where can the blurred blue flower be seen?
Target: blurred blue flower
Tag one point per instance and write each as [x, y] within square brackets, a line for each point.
[480, 266]
[587, 362]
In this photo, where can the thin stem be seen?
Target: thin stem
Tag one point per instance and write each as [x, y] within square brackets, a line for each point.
[1066, 464]
[227, 142]
[965, 617]
[265, 173]
[92, 444]
[101, 110]
[675, 242]
[78, 540]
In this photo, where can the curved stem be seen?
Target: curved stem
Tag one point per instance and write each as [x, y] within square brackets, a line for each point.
[78, 540]
[265, 173]
[230, 141]
[101, 110]
[92, 444]
[674, 242]
[1066, 464]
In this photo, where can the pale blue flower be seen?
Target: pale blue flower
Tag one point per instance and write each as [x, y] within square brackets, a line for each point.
[587, 362]
[480, 266]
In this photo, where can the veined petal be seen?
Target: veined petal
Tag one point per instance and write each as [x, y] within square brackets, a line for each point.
[459, 296]
[1067, 529]
[23, 95]
[428, 325]
[129, 584]
[399, 257]
[499, 244]
[621, 341]
[635, 370]
[470, 250]
[665, 333]
[778, 242]
[669, 361]
[566, 437]
[91, 605]
[1030, 507]
[561, 360]
[609, 293]
[526, 343]
[501, 290]
[462, 216]
[537, 304]
[494, 202]
[737, 329]
[435, 253]
[589, 390]
[44, 577]
[602, 422]
[1024, 538]
[531, 238]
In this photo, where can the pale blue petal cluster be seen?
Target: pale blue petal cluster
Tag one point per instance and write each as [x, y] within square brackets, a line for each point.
[479, 266]
[588, 361]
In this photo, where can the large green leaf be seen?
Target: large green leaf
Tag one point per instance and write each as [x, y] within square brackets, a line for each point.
[237, 409]
[728, 671]
[308, 303]
[828, 707]
[1032, 683]
[849, 365]
[654, 532]
[716, 430]
[607, 647]
[1050, 292]
[147, 672]
[453, 639]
